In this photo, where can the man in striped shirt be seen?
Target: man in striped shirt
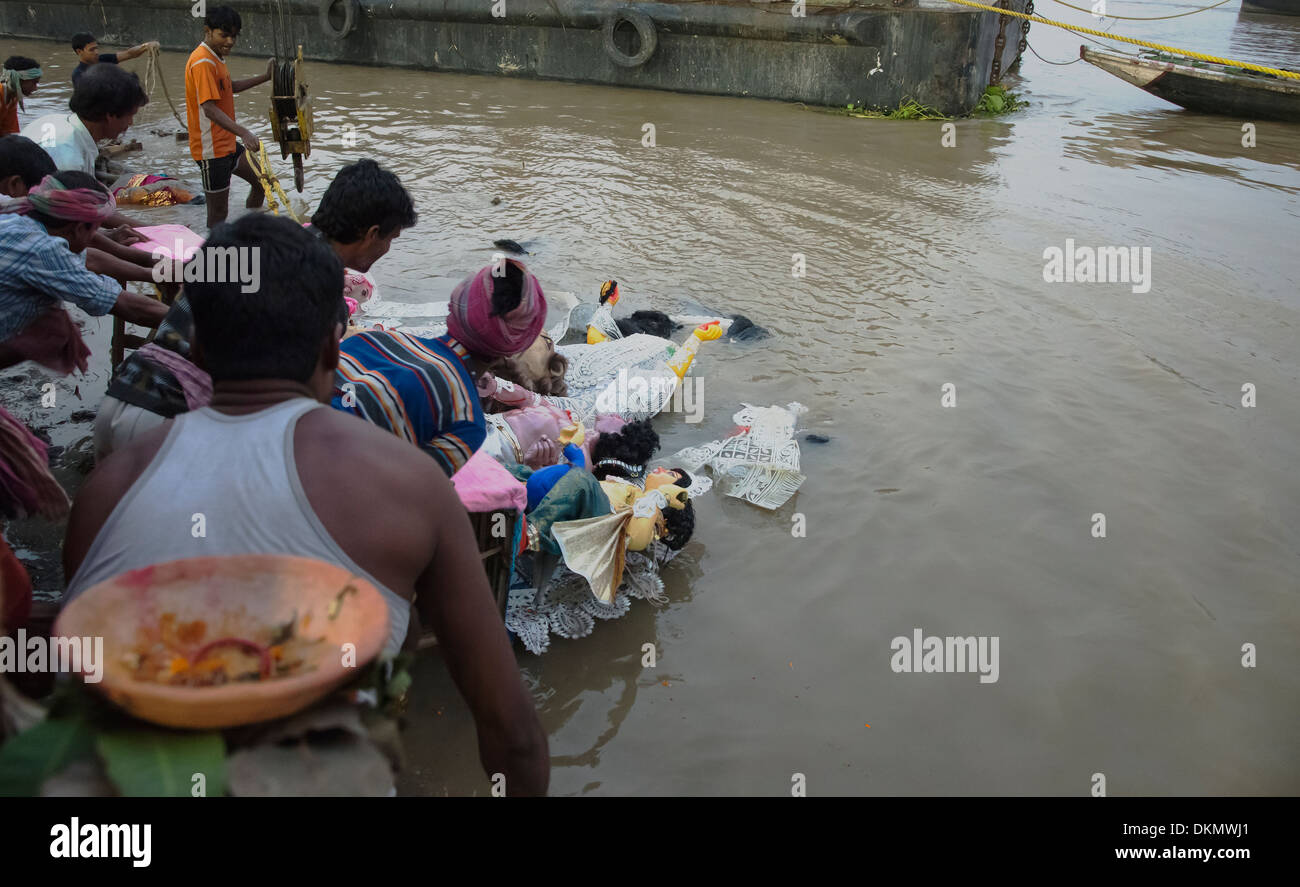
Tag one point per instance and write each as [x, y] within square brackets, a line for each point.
[426, 391]
[210, 112]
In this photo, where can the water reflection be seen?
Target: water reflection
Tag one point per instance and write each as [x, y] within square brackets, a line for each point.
[597, 678]
[1265, 39]
[1179, 141]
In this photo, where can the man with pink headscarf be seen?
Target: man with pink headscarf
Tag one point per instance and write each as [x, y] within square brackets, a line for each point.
[426, 390]
[42, 237]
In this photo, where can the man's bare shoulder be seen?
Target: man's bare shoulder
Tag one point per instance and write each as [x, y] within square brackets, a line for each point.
[123, 467]
[377, 458]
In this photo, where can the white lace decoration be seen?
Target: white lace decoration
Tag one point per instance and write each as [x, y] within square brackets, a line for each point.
[567, 608]
[623, 376]
[761, 464]
[603, 320]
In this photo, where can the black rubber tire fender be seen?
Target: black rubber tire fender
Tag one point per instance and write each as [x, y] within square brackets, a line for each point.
[645, 29]
[349, 18]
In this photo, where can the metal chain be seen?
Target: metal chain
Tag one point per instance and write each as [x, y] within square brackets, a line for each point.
[995, 75]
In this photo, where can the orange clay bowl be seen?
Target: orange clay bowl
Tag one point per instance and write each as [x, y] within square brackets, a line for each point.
[241, 596]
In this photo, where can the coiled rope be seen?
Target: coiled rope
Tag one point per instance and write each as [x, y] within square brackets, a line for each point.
[1231, 63]
[1141, 18]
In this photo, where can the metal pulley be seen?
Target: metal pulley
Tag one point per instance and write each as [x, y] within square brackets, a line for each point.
[291, 117]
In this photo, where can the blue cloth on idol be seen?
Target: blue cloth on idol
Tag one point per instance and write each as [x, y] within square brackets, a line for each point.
[541, 481]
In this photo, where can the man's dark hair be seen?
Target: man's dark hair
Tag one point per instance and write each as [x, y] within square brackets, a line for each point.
[80, 39]
[70, 179]
[223, 18]
[20, 156]
[106, 90]
[363, 194]
[20, 63]
[277, 331]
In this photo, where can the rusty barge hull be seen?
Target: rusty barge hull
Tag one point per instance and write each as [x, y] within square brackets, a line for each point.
[873, 54]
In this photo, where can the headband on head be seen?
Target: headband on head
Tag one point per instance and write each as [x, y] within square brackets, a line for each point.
[13, 81]
[633, 471]
[57, 200]
[471, 323]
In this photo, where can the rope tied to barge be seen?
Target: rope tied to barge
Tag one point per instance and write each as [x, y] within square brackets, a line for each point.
[1145, 18]
[1214, 59]
[153, 76]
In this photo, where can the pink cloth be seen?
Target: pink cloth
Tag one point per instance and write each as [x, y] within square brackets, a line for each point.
[166, 239]
[194, 382]
[53, 341]
[470, 320]
[484, 485]
[26, 486]
[58, 201]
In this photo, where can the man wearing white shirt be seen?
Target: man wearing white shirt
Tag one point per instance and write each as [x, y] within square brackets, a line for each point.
[104, 105]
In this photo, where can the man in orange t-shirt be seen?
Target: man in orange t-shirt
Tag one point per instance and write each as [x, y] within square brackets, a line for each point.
[210, 111]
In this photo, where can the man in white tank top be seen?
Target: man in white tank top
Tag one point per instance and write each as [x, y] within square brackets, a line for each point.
[273, 470]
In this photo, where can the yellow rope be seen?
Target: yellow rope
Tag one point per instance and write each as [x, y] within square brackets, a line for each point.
[1277, 72]
[270, 183]
[1143, 18]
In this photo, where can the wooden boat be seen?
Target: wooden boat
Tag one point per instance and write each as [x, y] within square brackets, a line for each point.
[1272, 7]
[1204, 86]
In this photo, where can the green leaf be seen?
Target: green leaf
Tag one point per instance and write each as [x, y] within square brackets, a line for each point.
[400, 683]
[34, 755]
[151, 762]
[996, 102]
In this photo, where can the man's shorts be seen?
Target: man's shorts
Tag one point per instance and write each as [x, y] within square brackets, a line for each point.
[118, 423]
[217, 171]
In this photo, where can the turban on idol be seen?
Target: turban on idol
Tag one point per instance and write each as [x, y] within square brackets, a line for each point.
[57, 200]
[471, 323]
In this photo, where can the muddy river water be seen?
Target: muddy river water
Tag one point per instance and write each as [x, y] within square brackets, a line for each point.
[925, 264]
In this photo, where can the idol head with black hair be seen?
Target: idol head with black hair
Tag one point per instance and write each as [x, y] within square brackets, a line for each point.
[362, 212]
[624, 453]
[288, 328]
[23, 164]
[652, 323]
[106, 98]
[679, 523]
